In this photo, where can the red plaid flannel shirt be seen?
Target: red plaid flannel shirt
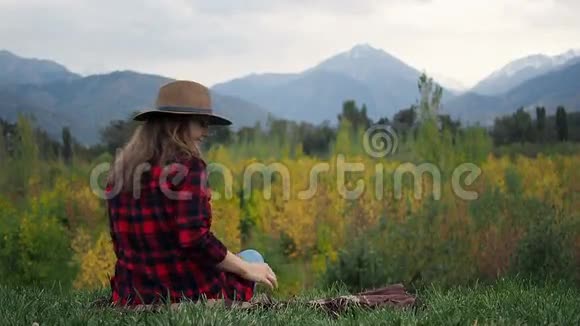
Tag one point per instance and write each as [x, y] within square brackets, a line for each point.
[164, 246]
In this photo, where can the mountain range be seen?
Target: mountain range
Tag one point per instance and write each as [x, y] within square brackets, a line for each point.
[536, 80]
[17, 70]
[57, 97]
[521, 70]
[384, 83]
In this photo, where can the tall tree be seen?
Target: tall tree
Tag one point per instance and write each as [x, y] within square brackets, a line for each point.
[117, 133]
[447, 123]
[432, 144]
[66, 146]
[502, 131]
[404, 120]
[221, 135]
[541, 123]
[49, 149]
[9, 134]
[3, 147]
[561, 124]
[358, 118]
[26, 155]
[316, 139]
[431, 94]
[248, 134]
[522, 126]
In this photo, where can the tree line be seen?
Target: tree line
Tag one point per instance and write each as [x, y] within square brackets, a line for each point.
[315, 140]
[521, 127]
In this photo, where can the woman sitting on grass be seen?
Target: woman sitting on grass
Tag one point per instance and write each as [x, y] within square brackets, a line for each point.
[160, 213]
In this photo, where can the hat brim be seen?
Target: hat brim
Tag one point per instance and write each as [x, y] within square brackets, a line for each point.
[214, 119]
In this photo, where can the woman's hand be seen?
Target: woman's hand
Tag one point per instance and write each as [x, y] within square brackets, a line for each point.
[260, 273]
[255, 272]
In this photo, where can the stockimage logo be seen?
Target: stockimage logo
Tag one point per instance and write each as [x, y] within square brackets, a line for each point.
[380, 140]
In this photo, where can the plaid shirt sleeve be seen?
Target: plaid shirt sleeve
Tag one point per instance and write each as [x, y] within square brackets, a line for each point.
[193, 215]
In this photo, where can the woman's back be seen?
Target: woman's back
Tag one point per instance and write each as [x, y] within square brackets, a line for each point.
[162, 239]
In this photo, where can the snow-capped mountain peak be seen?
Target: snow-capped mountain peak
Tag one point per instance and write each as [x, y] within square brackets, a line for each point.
[520, 70]
[566, 56]
[537, 61]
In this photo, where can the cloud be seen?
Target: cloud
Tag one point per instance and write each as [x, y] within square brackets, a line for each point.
[109, 31]
[217, 40]
[552, 14]
[268, 6]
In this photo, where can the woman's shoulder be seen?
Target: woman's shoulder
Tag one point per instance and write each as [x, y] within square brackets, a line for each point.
[189, 164]
[193, 162]
[178, 165]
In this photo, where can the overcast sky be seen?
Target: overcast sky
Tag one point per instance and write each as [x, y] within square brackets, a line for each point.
[215, 40]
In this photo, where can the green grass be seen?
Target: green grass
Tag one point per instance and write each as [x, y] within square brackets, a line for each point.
[504, 303]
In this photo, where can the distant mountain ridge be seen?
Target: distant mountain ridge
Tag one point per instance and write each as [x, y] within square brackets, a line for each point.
[18, 70]
[365, 74]
[87, 104]
[557, 87]
[521, 70]
[391, 82]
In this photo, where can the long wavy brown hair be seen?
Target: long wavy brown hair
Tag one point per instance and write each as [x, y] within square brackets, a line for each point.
[157, 141]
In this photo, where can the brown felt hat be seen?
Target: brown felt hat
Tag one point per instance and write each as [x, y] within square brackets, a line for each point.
[183, 98]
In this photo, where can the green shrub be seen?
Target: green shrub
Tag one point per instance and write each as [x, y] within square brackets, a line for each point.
[361, 266]
[45, 255]
[546, 251]
[411, 252]
[34, 249]
[9, 224]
